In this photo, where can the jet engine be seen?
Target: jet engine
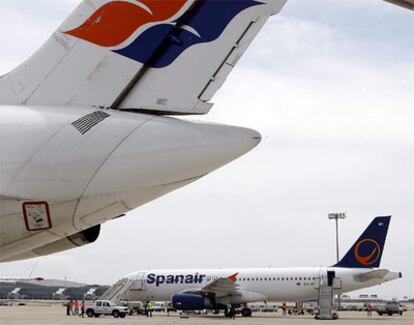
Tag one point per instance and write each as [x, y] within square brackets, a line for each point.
[85, 237]
[191, 302]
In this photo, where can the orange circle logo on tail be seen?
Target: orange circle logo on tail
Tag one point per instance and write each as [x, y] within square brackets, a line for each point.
[367, 251]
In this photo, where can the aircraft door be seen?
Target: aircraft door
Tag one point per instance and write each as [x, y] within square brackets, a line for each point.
[334, 281]
[318, 280]
[99, 308]
[331, 277]
[139, 283]
[106, 307]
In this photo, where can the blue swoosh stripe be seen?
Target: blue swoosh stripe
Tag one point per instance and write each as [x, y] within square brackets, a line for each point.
[210, 20]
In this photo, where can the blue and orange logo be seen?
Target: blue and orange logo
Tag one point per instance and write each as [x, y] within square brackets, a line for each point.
[117, 21]
[367, 251]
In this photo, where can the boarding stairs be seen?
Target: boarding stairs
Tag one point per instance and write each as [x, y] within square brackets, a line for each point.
[327, 286]
[326, 295]
[118, 291]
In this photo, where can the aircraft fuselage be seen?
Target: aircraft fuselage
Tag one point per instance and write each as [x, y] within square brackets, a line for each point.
[272, 284]
[64, 170]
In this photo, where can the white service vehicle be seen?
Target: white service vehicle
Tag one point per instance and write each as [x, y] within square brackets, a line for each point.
[389, 308]
[106, 307]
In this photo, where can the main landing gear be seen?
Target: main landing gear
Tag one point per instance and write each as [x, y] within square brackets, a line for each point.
[246, 312]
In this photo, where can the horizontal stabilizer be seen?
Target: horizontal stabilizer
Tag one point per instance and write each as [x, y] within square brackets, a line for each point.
[377, 274]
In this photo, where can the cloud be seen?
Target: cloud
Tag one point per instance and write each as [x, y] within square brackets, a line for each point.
[43, 17]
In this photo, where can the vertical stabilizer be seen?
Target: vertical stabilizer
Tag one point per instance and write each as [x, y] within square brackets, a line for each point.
[367, 250]
[167, 56]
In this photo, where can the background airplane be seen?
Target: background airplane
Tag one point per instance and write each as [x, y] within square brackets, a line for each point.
[214, 289]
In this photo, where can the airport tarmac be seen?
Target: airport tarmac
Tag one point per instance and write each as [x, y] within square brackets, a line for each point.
[54, 314]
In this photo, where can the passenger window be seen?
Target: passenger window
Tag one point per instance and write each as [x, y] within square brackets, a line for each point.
[98, 303]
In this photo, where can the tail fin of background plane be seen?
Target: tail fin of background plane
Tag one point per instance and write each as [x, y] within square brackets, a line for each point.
[166, 56]
[367, 250]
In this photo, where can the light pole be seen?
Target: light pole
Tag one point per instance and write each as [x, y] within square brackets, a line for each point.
[336, 217]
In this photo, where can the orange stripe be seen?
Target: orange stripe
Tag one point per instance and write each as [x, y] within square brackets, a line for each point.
[116, 21]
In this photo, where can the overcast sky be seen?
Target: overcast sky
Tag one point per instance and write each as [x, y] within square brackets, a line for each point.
[330, 85]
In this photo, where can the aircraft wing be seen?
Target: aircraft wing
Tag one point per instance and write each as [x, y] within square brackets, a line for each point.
[376, 274]
[223, 286]
[14, 280]
[220, 287]
[409, 4]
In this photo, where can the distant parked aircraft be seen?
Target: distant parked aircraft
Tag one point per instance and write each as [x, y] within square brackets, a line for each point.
[214, 289]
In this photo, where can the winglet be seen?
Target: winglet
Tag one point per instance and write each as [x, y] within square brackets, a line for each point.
[367, 250]
[233, 278]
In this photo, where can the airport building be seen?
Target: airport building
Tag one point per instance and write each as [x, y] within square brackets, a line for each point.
[30, 291]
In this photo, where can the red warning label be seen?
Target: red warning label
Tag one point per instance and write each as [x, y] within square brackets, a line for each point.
[37, 216]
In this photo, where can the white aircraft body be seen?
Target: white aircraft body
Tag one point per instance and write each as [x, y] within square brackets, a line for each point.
[214, 289]
[83, 132]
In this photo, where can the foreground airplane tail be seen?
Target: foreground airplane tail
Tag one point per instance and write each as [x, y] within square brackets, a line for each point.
[165, 56]
[367, 250]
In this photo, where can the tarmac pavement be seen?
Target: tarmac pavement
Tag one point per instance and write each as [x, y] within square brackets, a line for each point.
[55, 314]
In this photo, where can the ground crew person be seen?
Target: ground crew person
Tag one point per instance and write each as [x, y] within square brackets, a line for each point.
[149, 308]
[230, 311]
[77, 305]
[72, 307]
[68, 305]
[82, 307]
[284, 308]
[369, 310]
